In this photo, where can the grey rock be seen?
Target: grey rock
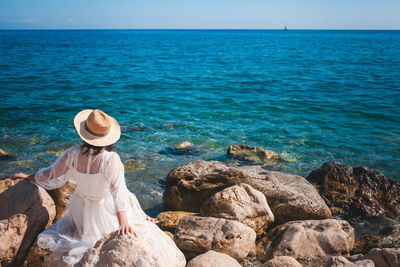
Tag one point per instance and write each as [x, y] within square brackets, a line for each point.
[196, 235]
[241, 203]
[307, 239]
[290, 197]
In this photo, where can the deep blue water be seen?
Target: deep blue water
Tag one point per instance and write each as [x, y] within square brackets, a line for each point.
[311, 96]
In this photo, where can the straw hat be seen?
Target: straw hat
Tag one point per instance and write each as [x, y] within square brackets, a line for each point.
[97, 128]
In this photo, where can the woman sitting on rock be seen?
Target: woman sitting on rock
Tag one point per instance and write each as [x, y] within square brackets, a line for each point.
[101, 203]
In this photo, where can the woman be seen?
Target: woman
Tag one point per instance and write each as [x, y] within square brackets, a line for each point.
[101, 203]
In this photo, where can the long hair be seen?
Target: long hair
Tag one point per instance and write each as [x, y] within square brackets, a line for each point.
[96, 149]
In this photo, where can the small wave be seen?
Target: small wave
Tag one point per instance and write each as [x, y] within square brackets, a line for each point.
[289, 157]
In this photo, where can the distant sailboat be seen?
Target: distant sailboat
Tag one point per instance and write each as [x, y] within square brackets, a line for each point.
[285, 29]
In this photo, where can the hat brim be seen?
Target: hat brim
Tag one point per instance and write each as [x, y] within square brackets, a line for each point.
[113, 135]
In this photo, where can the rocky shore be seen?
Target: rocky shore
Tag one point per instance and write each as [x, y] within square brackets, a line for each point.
[223, 214]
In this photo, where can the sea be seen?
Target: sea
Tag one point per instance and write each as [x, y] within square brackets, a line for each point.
[311, 96]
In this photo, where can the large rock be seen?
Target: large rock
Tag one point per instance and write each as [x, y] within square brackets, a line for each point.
[25, 211]
[356, 192]
[61, 198]
[213, 259]
[241, 203]
[307, 239]
[384, 257]
[340, 261]
[196, 235]
[253, 154]
[282, 261]
[169, 220]
[123, 250]
[290, 197]
[387, 238]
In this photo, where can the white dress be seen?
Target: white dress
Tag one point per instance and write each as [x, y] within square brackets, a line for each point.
[100, 192]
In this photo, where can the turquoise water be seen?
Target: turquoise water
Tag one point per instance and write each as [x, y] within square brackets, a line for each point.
[311, 96]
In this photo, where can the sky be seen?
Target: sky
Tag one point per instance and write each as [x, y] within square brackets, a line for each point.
[203, 14]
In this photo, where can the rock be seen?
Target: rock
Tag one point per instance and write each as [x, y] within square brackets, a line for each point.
[339, 261]
[241, 203]
[168, 220]
[196, 235]
[25, 211]
[253, 154]
[307, 239]
[186, 148]
[356, 192]
[171, 235]
[122, 250]
[290, 197]
[5, 155]
[183, 145]
[213, 259]
[282, 261]
[387, 238]
[36, 256]
[384, 257]
[61, 198]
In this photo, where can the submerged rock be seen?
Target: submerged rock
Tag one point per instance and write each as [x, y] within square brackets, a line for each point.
[253, 154]
[290, 197]
[186, 148]
[282, 261]
[213, 259]
[26, 210]
[169, 220]
[307, 239]
[241, 203]
[123, 250]
[196, 235]
[387, 238]
[356, 192]
[5, 155]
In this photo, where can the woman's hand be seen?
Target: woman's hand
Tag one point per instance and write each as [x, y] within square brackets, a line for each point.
[152, 219]
[125, 229]
[21, 175]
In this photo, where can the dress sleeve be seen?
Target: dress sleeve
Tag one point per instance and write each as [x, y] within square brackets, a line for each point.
[55, 175]
[114, 173]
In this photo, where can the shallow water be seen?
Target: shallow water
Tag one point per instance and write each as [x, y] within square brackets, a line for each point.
[311, 96]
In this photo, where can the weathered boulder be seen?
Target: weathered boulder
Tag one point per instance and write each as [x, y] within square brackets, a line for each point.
[384, 257]
[25, 210]
[168, 220]
[124, 250]
[196, 235]
[387, 238]
[61, 197]
[356, 192]
[253, 154]
[282, 261]
[290, 197]
[340, 261]
[5, 155]
[307, 239]
[241, 203]
[213, 259]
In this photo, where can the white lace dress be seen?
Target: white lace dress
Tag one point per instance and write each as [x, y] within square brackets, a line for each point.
[100, 192]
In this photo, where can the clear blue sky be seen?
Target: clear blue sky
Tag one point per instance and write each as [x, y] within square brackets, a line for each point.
[203, 14]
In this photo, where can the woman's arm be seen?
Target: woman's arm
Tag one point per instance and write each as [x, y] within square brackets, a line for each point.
[124, 227]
